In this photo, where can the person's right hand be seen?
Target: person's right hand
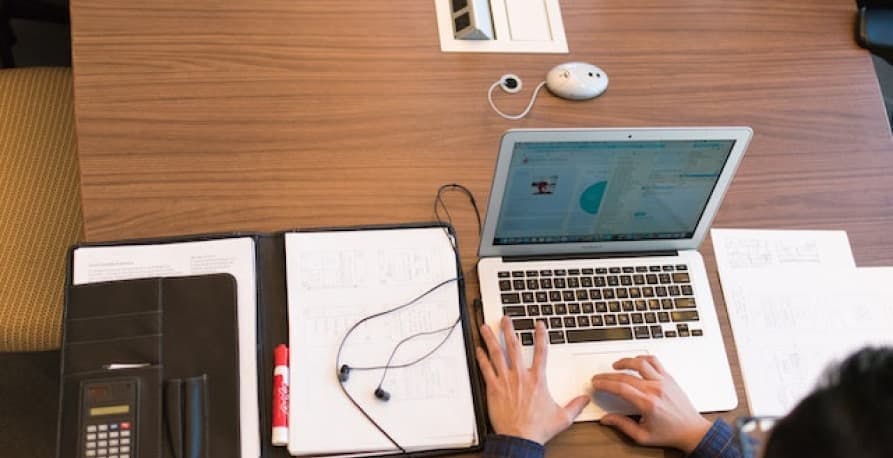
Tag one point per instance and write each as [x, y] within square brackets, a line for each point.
[668, 417]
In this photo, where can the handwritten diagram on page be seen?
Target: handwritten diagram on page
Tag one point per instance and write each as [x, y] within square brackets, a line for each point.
[335, 279]
[797, 304]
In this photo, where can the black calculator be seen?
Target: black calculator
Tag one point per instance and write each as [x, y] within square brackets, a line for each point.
[109, 418]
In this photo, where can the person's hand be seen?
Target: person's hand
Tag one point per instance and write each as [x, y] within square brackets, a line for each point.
[668, 417]
[518, 398]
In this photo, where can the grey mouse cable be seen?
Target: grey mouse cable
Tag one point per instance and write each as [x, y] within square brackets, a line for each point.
[526, 110]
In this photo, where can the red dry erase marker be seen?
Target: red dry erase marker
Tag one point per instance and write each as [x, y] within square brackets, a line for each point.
[280, 396]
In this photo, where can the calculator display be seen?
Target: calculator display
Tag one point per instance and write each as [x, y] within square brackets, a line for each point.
[109, 410]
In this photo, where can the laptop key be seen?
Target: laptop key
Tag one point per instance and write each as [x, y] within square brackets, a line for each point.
[650, 318]
[545, 322]
[533, 284]
[595, 294]
[686, 315]
[597, 335]
[614, 306]
[587, 307]
[673, 290]
[517, 273]
[503, 274]
[601, 307]
[657, 332]
[626, 280]
[514, 310]
[623, 319]
[556, 322]
[511, 298]
[697, 332]
[670, 334]
[573, 282]
[554, 296]
[545, 283]
[556, 337]
[582, 295]
[610, 320]
[559, 283]
[647, 291]
[570, 322]
[545, 273]
[560, 309]
[560, 272]
[527, 297]
[546, 309]
[621, 293]
[686, 290]
[635, 293]
[664, 278]
[573, 308]
[588, 271]
[505, 285]
[637, 318]
[533, 273]
[596, 320]
[586, 282]
[663, 317]
[568, 295]
[601, 282]
[681, 267]
[654, 268]
[533, 310]
[660, 291]
[642, 332]
[651, 279]
[542, 296]
[522, 324]
[526, 338]
[681, 277]
[628, 270]
[641, 269]
[666, 304]
[640, 305]
[608, 293]
[685, 302]
[613, 280]
[668, 268]
[573, 271]
[653, 304]
[519, 285]
[583, 321]
[601, 270]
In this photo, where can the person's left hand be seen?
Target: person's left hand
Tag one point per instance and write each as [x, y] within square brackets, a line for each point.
[518, 398]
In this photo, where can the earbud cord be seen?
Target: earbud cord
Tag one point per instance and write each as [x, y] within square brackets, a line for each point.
[438, 202]
[526, 110]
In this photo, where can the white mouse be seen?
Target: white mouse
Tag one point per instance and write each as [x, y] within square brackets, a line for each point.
[577, 81]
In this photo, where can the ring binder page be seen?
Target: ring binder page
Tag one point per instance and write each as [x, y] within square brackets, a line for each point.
[337, 278]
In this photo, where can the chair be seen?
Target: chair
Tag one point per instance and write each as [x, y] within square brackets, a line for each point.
[34, 10]
[40, 208]
[874, 27]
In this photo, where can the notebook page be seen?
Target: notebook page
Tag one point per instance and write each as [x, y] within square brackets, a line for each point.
[334, 279]
[232, 256]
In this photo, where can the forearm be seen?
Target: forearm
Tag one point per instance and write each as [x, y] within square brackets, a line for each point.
[499, 446]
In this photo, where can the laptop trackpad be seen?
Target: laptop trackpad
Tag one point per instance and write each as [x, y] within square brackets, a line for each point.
[589, 364]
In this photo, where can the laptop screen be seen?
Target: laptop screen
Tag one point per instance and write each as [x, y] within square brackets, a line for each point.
[596, 191]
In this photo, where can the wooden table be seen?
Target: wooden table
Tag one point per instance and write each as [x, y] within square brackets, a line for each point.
[219, 115]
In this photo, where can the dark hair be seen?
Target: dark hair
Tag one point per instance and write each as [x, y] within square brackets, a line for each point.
[850, 415]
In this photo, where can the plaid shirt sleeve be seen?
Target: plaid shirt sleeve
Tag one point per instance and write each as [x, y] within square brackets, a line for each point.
[719, 442]
[499, 446]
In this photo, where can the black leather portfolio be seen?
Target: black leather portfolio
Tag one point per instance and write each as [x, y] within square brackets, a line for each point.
[174, 341]
[156, 359]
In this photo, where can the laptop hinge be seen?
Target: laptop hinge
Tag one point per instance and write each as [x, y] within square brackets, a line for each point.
[563, 257]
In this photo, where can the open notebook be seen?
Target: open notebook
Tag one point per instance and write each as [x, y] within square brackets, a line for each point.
[317, 281]
[335, 279]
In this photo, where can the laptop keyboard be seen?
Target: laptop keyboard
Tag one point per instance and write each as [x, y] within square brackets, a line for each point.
[597, 304]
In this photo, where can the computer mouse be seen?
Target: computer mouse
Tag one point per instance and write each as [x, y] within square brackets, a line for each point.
[577, 81]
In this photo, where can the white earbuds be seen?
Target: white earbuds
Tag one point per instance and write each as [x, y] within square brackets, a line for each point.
[571, 80]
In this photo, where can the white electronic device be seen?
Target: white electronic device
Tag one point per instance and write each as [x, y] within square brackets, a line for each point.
[577, 81]
[570, 80]
[595, 232]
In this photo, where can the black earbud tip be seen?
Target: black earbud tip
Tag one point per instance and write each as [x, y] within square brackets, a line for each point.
[382, 394]
[344, 373]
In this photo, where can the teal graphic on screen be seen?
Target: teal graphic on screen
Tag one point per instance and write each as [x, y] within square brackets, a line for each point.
[571, 192]
[591, 199]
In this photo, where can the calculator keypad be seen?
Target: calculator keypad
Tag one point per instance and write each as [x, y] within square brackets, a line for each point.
[108, 440]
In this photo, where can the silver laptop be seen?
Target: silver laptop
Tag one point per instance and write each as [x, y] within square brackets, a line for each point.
[595, 232]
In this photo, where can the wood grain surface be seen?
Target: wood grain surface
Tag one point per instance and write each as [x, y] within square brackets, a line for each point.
[220, 115]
